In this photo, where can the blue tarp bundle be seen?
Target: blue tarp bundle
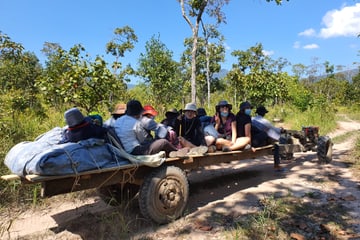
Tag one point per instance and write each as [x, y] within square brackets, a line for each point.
[45, 156]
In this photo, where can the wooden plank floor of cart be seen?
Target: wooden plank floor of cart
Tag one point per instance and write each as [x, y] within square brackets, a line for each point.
[54, 185]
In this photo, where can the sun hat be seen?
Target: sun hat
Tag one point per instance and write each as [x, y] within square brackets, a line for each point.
[261, 110]
[148, 109]
[133, 108]
[120, 108]
[244, 105]
[173, 112]
[223, 103]
[201, 112]
[73, 117]
[190, 107]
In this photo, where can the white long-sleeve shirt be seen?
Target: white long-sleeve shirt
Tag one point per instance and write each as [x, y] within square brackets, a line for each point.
[265, 125]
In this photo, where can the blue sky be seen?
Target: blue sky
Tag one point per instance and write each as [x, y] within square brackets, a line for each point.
[301, 31]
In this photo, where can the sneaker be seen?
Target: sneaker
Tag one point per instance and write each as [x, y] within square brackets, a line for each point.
[198, 150]
[211, 149]
[247, 147]
[179, 153]
[226, 149]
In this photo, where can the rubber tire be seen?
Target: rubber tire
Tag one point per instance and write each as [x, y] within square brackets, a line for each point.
[324, 149]
[164, 194]
[113, 194]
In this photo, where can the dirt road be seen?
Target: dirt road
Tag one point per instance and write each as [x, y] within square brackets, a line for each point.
[229, 190]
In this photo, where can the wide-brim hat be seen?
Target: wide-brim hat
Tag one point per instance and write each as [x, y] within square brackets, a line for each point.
[148, 109]
[261, 110]
[190, 107]
[134, 107]
[172, 112]
[73, 117]
[120, 109]
[223, 103]
[244, 105]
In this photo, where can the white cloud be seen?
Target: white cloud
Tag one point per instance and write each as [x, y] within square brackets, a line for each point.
[311, 46]
[343, 22]
[308, 32]
[297, 45]
[268, 53]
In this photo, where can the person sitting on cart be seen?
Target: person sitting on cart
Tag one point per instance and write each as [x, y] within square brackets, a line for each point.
[260, 124]
[263, 133]
[129, 126]
[203, 117]
[189, 131]
[149, 125]
[208, 128]
[224, 123]
[80, 127]
[227, 126]
[172, 122]
[191, 135]
[118, 111]
[171, 118]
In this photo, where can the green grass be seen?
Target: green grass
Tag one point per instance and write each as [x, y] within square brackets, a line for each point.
[292, 118]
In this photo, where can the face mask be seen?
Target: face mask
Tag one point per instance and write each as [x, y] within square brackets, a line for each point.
[224, 114]
[248, 112]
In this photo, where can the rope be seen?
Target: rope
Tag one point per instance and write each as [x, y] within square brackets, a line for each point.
[126, 172]
[73, 166]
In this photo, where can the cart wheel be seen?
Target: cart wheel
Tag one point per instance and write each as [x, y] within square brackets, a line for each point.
[164, 194]
[114, 195]
[324, 149]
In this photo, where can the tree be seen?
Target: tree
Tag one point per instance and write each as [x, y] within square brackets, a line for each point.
[353, 91]
[160, 72]
[257, 77]
[195, 9]
[18, 71]
[209, 56]
[210, 32]
[77, 80]
[123, 41]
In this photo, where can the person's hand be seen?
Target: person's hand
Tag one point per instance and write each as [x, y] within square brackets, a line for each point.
[217, 118]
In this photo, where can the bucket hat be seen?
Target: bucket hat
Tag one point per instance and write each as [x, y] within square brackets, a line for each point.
[190, 107]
